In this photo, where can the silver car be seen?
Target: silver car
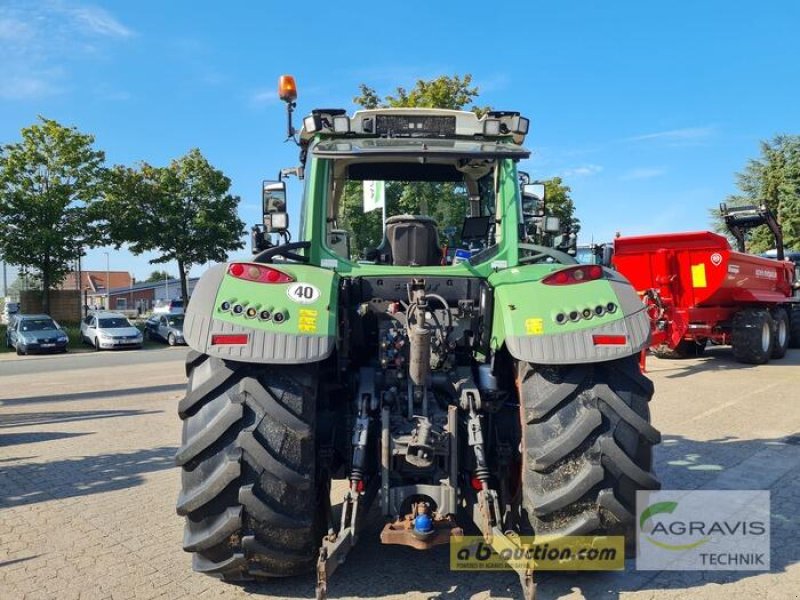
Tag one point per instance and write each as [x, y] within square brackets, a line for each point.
[109, 330]
[168, 328]
[35, 333]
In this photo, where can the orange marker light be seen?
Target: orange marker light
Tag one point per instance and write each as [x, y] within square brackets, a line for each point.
[287, 89]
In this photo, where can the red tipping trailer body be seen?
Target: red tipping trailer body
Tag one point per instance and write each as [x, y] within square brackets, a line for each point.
[694, 283]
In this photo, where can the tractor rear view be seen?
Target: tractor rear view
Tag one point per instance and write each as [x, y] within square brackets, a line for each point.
[493, 388]
[698, 290]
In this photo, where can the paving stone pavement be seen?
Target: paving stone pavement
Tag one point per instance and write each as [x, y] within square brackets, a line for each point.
[88, 488]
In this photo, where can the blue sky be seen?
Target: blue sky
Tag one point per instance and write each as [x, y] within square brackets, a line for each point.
[646, 109]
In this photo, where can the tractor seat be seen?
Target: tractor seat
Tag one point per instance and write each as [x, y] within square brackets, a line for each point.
[412, 240]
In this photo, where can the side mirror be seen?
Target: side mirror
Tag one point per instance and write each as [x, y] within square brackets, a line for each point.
[552, 225]
[273, 195]
[534, 189]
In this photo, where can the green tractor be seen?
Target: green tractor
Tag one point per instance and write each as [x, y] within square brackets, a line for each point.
[480, 383]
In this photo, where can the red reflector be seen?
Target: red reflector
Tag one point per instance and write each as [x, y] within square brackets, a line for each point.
[572, 275]
[260, 273]
[476, 484]
[610, 340]
[229, 338]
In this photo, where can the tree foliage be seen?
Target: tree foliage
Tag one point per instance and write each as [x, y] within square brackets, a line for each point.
[445, 202]
[156, 276]
[49, 184]
[454, 92]
[560, 204]
[772, 179]
[183, 211]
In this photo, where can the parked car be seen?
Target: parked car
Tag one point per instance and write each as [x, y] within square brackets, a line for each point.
[168, 328]
[36, 333]
[172, 307]
[108, 330]
[9, 310]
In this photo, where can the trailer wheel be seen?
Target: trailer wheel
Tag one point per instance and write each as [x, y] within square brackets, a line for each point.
[781, 319]
[587, 446]
[684, 349]
[751, 337]
[254, 503]
[794, 327]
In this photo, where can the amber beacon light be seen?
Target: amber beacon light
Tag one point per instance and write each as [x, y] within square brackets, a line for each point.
[287, 89]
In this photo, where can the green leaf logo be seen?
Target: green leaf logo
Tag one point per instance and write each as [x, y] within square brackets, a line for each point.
[669, 508]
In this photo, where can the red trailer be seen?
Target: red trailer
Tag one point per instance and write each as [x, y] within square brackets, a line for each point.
[698, 289]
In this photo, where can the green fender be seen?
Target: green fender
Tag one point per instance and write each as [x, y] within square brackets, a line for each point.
[526, 312]
[223, 304]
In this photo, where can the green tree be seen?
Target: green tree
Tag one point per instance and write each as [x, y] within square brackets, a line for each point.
[454, 92]
[444, 202]
[772, 179]
[183, 211]
[559, 204]
[49, 184]
[157, 276]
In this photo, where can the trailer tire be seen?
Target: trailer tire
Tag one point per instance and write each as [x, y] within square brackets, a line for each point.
[587, 446]
[794, 327]
[752, 336]
[254, 503]
[684, 349]
[781, 332]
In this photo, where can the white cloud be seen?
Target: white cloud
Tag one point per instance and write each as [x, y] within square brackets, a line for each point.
[687, 134]
[264, 97]
[582, 171]
[95, 20]
[642, 173]
[25, 88]
[37, 40]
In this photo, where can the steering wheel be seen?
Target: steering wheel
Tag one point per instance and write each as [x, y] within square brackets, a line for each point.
[284, 250]
[540, 253]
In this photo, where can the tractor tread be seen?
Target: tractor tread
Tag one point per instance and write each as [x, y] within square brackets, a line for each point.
[262, 460]
[213, 430]
[225, 474]
[587, 446]
[209, 532]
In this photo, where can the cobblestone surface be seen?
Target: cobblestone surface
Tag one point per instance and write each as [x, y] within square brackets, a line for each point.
[88, 487]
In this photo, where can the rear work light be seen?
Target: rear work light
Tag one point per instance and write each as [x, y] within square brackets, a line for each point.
[609, 340]
[259, 273]
[220, 339]
[572, 275]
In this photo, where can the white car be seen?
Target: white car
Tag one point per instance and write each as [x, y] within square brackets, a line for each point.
[108, 330]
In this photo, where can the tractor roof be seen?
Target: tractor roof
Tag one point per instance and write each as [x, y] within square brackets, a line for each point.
[429, 123]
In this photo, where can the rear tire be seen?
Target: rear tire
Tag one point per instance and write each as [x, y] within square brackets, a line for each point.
[781, 332]
[684, 349]
[752, 338]
[587, 446]
[254, 504]
[794, 327]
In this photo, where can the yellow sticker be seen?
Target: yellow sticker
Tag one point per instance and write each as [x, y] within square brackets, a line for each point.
[534, 326]
[307, 320]
[699, 275]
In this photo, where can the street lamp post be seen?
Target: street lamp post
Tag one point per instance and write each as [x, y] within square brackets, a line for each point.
[108, 283]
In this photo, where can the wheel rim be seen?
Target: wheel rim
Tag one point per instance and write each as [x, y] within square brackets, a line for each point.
[766, 336]
[171, 340]
[783, 333]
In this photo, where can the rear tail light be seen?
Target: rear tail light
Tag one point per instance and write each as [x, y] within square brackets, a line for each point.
[229, 339]
[609, 340]
[259, 273]
[572, 275]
